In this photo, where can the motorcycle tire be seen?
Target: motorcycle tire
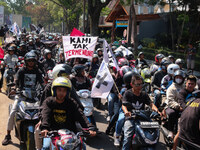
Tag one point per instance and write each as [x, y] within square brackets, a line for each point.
[29, 144]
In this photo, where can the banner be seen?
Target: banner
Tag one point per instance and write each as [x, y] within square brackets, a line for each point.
[82, 47]
[102, 83]
[108, 56]
[1, 54]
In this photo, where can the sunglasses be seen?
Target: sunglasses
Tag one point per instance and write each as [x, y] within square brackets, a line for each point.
[137, 85]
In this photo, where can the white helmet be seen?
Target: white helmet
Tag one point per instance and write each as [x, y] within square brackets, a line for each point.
[61, 70]
[172, 68]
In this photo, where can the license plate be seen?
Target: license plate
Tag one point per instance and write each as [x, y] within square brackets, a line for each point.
[149, 124]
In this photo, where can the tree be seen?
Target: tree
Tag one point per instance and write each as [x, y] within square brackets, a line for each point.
[94, 10]
[17, 6]
[7, 9]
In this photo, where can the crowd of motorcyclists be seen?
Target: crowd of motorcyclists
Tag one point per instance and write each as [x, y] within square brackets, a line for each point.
[42, 67]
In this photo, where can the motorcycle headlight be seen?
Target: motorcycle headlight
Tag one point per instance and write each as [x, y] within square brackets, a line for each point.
[84, 95]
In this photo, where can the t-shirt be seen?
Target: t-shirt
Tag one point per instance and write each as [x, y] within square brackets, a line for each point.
[137, 102]
[189, 122]
[62, 115]
[191, 50]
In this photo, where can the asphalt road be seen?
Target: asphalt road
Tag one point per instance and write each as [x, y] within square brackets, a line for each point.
[102, 141]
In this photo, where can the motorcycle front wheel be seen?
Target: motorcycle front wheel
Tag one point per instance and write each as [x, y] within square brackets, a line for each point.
[29, 143]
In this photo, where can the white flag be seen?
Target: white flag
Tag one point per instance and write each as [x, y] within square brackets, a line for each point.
[124, 50]
[108, 56]
[102, 83]
[15, 29]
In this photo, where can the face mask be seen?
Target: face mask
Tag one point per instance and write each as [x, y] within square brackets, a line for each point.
[177, 80]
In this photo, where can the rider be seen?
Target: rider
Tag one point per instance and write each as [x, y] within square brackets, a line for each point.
[27, 78]
[80, 81]
[156, 65]
[180, 62]
[140, 60]
[171, 58]
[61, 112]
[168, 79]
[156, 81]
[173, 107]
[48, 62]
[94, 66]
[137, 98]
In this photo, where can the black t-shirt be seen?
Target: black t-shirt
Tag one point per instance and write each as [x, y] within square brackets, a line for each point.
[85, 84]
[137, 102]
[189, 122]
[28, 78]
[62, 115]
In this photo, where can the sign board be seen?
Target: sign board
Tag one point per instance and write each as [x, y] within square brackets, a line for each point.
[121, 24]
[25, 22]
[76, 46]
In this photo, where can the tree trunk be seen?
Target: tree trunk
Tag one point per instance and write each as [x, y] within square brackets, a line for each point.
[181, 32]
[130, 23]
[171, 25]
[135, 30]
[94, 22]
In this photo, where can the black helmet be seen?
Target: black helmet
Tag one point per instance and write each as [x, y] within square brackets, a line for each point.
[30, 55]
[170, 56]
[77, 70]
[22, 44]
[127, 77]
[119, 54]
[46, 51]
[165, 61]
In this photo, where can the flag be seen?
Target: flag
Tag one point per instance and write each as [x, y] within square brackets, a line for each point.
[33, 27]
[76, 32]
[1, 54]
[124, 50]
[108, 56]
[102, 83]
[15, 29]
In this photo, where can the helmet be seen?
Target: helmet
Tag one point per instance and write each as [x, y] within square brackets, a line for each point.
[165, 61]
[36, 52]
[95, 56]
[140, 53]
[127, 77]
[30, 55]
[172, 68]
[158, 56]
[114, 47]
[46, 51]
[130, 57]
[22, 44]
[124, 70]
[77, 70]
[100, 49]
[179, 61]
[179, 73]
[118, 54]
[170, 56]
[11, 48]
[123, 62]
[60, 82]
[61, 70]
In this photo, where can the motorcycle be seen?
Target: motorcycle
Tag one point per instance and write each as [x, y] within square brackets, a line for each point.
[87, 102]
[26, 118]
[20, 63]
[65, 139]
[10, 79]
[146, 129]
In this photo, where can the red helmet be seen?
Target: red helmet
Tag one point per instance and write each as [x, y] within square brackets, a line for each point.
[123, 62]
[124, 70]
[158, 56]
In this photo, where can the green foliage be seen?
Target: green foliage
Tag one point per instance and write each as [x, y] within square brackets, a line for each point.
[105, 11]
[149, 42]
[183, 17]
[7, 9]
